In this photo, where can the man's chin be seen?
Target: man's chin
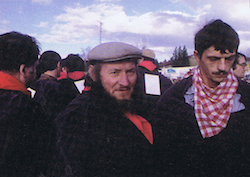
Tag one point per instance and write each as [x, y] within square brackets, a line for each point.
[122, 98]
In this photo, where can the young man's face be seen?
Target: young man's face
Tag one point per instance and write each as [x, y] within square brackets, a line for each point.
[214, 65]
[240, 67]
[118, 79]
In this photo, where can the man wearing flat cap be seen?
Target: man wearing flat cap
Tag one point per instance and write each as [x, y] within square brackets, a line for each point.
[152, 83]
[101, 132]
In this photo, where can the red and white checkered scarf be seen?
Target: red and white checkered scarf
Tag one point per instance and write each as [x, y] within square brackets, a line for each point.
[213, 106]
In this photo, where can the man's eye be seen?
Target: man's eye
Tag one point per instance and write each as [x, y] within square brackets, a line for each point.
[230, 58]
[114, 72]
[131, 71]
[214, 58]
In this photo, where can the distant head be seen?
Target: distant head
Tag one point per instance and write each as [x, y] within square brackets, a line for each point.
[49, 61]
[216, 45]
[18, 56]
[73, 63]
[240, 68]
[148, 54]
[113, 64]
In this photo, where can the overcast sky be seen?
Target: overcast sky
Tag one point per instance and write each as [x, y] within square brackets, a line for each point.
[70, 26]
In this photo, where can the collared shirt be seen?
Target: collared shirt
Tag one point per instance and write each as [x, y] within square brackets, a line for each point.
[237, 105]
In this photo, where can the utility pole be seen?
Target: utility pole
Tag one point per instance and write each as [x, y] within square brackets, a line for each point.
[100, 32]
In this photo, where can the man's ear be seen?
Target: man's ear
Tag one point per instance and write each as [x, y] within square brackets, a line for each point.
[91, 73]
[22, 69]
[197, 56]
[64, 69]
[21, 74]
[58, 64]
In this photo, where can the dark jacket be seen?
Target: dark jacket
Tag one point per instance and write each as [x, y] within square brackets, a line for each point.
[165, 83]
[95, 139]
[23, 138]
[181, 149]
[68, 82]
[51, 95]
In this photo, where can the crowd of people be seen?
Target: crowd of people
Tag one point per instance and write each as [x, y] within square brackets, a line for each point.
[123, 117]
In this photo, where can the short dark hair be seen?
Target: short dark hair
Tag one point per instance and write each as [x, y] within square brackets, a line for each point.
[17, 49]
[241, 54]
[73, 63]
[217, 34]
[48, 61]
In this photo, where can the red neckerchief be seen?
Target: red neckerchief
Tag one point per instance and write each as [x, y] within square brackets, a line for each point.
[142, 124]
[63, 75]
[76, 75]
[213, 106]
[148, 65]
[86, 88]
[8, 82]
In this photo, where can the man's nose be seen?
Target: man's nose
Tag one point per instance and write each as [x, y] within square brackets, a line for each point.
[124, 80]
[222, 64]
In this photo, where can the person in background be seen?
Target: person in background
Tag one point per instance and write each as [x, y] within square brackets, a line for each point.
[101, 132]
[153, 84]
[22, 123]
[201, 124]
[73, 72]
[49, 92]
[240, 68]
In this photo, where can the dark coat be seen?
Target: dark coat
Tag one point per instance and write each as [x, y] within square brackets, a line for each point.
[181, 149]
[51, 95]
[23, 138]
[68, 86]
[95, 139]
[150, 100]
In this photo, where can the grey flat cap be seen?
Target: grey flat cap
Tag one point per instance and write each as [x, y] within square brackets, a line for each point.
[114, 51]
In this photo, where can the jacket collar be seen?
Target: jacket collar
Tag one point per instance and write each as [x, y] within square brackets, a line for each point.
[148, 65]
[8, 82]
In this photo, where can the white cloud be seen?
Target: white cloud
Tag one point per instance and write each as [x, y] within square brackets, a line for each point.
[80, 22]
[43, 25]
[163, 30]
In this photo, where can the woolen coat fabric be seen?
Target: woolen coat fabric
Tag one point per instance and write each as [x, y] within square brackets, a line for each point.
[51, 95]
[150, 100]
[95, 139]
[53, 98]
[23, 136]
[182, 151]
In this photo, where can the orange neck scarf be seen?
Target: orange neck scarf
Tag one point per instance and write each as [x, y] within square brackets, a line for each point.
[8, 82]
[63, 75]
[142, 124]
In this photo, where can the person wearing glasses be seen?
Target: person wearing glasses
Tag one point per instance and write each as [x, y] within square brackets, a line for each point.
[240, 68]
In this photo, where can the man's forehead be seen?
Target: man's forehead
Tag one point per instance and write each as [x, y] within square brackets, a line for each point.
[241, 58]
[119, 65]
[211, 51]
